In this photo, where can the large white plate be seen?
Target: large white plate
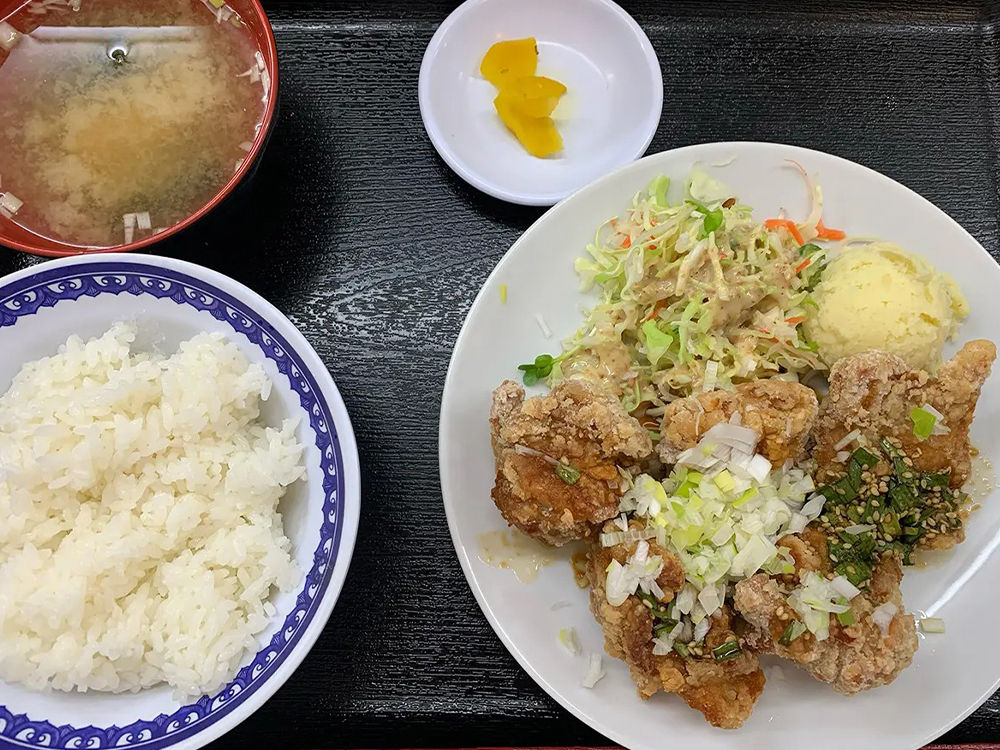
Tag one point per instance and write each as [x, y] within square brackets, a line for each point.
[951, 674]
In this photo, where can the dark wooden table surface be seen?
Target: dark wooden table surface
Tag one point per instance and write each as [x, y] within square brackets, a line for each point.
[359, 232]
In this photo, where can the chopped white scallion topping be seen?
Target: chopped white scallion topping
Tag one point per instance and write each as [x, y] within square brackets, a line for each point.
[882, 616]
[129, 221]
[845, 441]
[9, 36]
[639, 572]
[931, 625]
[845, 588]
[10, 203]
[253, 74]
[569, 640]
[265, 81]
[594, 671]
[546, 331]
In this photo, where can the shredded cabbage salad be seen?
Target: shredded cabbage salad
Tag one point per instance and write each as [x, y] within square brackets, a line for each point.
[694, 295]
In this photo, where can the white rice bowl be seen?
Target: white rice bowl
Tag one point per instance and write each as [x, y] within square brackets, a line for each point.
[141, 535]
[170, 302]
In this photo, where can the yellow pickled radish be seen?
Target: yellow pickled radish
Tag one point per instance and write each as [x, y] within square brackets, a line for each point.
[537, 134]
[510, 60]
[535, 96]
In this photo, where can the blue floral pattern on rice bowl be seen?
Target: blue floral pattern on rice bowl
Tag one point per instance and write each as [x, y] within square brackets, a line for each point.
[51, 286]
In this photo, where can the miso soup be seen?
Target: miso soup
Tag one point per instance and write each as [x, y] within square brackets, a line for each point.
[120, 118]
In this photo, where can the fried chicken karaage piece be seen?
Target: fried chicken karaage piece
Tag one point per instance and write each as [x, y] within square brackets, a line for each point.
[874, 393]
[557, 457]
[724, 692]
[782, 413]
[854, 657]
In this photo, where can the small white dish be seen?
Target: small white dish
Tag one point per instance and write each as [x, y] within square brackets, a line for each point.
[170, 301]
[951, 674]
[607, 117]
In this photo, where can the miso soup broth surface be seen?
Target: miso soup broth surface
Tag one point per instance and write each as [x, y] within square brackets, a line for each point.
[122, 118]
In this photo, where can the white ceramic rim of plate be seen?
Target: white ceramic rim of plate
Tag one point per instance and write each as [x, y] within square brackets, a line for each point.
[445, 439]
[527, 198]
[348, 449]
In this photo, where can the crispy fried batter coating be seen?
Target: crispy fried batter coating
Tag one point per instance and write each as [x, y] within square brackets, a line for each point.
[574, 425]
[782, 413]
[874, 392]
[855, 657]
[724, 692]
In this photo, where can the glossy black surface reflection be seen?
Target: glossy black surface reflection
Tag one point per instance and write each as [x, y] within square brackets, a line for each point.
[358, 231]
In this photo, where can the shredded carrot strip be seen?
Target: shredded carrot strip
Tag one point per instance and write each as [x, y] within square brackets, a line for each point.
[803, 265]
[787, 224]
[627, 242]
[794, 321]
[660, 304]
[828, 234]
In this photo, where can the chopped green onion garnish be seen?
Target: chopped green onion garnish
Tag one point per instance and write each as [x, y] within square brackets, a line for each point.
[726, 651]
[567, 473]
[664, 627]
[931, 625]
[681, 649]
[846, 618]
[923, 423]
[792, 631]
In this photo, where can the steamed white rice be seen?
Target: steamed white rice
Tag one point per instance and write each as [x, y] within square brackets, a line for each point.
[140, 537]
